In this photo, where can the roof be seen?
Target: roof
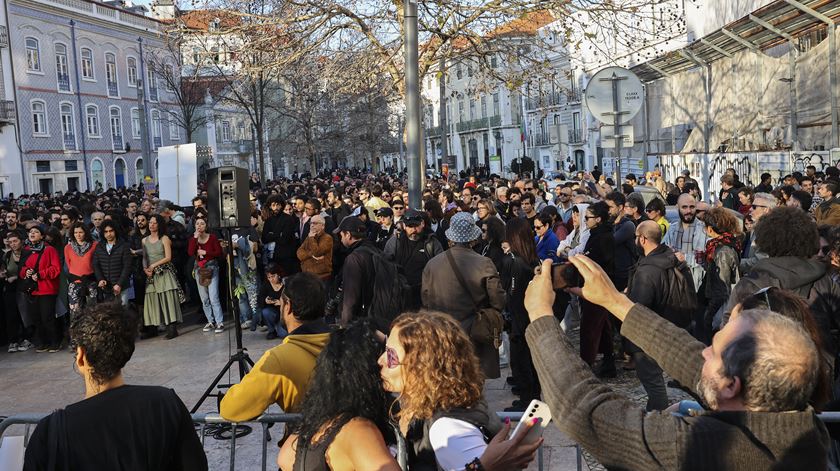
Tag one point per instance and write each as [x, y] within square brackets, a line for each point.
[769, 26]
[194, 89]
[525, 25]
[200, 19]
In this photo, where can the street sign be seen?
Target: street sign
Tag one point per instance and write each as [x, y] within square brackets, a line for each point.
[601, 102]
[609, 136]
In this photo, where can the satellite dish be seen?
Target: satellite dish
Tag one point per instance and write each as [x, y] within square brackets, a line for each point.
[598, 97]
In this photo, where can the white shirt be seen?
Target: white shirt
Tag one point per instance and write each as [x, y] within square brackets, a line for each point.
[456, 443]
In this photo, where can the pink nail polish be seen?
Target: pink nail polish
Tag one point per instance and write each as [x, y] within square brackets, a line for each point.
[534, 421]
[507, 420]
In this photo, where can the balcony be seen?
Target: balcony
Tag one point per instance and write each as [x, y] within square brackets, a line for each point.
[541, 139]
[545, 100]
[157, 142]
[119, 144]
[4, 36]
[153, 93]
[8, 113]
[113, 90]
[63, 82]
[432, 132]
[70, 142]
[479, 124]
[575, 136]
[573, 96]
[236, 146]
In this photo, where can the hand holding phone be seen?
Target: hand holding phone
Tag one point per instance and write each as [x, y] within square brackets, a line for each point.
[565, 275]
[536, 410]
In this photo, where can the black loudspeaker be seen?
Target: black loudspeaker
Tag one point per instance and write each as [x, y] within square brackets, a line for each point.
[228, 202]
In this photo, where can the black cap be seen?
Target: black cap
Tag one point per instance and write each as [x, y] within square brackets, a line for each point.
[351, 224]
[388, 212]
[412, 217]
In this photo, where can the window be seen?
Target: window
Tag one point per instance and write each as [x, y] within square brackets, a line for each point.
[469, 71]
[97, 175]
[68, 127]
[131, 65]
[42, 166]
[242, 131]
[111, 75]
[156, 129]
[39, 118]
[33, 55]
[61, 69]
[460, 111]
[174, 131]
[135, 123]
[214, 25]
[472, 109]
[496, 110]
[92, 120]
[458, 71]
[169, 77]
[493, 62]
[87, 64]
[151, 80]
[196, 55]
[225, 131]
[484, 106]
[71, 165]
[116, 129]
[138, 170]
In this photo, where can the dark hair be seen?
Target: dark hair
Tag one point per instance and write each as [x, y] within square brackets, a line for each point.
[161, 222]
[601, 210]
[787, 231]
[765, 176]
[199, 198]
[112, 224]
[528, 196]
[721, 221]
[627, 188]
[656, 204]
[747, 191]
[315, 202]
[274, 269]
[106, 332]
[545, 219]
[616, 197]
[805, 199]
[520, 236]
[55, 235]
[833, 186]
[495, 229]
[83, 227]
[306, 296]
[345, 385]
[636, 201]
[550, 211]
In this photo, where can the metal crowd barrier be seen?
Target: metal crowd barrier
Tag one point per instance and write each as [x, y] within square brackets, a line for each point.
[202, 420]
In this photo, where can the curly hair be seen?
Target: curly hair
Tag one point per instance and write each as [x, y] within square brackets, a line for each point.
[787, 231]
[106, 332]
[722, 221]
[440, 368]
[80, 225]
[345, 385]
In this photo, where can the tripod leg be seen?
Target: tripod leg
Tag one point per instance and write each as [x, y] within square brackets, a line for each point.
[212, 385]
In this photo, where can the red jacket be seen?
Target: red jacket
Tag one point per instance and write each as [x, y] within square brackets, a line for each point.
[213, 248]
[48, 270]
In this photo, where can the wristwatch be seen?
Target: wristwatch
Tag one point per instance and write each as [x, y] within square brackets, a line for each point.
[474, 465]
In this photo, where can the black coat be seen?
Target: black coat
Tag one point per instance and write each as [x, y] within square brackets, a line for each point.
[115, 268]
[651, 286]
[282, 229]
[601, 248]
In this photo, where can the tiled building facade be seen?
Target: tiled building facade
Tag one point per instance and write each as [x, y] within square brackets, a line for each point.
[77, 67]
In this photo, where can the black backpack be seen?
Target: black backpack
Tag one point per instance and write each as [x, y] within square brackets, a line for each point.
[682, 297]
[390, 291]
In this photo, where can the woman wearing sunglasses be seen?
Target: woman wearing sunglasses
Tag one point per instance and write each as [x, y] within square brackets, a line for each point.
[345, 411]
[430, 363]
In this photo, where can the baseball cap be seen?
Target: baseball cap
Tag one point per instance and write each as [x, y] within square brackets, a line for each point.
[412, 218]
[387, 212]
[350, 224]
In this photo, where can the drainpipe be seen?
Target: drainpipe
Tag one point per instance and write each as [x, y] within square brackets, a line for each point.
[17, 108]
[82, 124]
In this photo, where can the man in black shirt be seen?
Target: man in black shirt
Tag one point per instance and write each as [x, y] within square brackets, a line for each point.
[116, 426]
[411, 249]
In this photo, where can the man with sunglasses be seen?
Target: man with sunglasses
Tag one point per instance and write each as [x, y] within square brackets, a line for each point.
[762, 204]
[563, 202]
[282, 375]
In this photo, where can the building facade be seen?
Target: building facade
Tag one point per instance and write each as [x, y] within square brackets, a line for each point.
[11, 168]
[76, 79]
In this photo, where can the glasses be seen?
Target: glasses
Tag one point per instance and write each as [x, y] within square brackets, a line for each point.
[398, 208]
[538, 227]
[759, 206]
[590, 217]
[392, 360]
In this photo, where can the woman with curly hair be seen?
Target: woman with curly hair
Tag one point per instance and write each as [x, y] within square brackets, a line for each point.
[78, 254]
[430, 363]
[722, 258]
[163, 293]
[345, 411]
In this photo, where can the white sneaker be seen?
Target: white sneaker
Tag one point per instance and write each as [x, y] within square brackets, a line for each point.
[207, 328]
[13, 347]
[24, 346]
[220, 328]
[246, 324]
[263, 328]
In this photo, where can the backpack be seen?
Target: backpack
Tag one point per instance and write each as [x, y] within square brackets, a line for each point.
[681, 297]
[390, 291]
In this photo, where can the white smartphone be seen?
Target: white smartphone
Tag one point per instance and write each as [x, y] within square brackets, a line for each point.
[536, 410]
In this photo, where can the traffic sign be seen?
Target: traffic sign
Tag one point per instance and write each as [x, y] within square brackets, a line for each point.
[604, 106]
[609, 137]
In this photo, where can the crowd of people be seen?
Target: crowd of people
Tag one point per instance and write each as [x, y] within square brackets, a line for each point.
[736, 298]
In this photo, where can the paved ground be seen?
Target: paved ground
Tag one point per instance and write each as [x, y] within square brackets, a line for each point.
[43, 382]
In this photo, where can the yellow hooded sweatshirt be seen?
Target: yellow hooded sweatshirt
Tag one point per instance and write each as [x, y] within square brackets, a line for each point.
[281, 376]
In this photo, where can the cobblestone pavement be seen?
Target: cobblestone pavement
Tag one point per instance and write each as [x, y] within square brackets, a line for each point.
[42, 382]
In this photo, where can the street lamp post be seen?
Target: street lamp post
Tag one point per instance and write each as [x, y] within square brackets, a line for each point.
[412, 100]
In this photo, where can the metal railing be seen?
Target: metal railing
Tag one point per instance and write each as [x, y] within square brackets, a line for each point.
[69, 142]
[157, 142]
[4, 36]
[204, 420]
[153, 93]
[575, 136]
[64, 82]
[113, 91]
[119, 144]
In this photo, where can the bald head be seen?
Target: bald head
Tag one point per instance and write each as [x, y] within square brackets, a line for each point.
[687, 208]
[651, 231]
[686, 198]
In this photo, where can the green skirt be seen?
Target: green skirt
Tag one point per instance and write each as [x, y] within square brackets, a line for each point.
[162, 305]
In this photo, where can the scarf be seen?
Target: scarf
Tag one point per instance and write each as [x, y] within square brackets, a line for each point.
[725, 239]
[37, 247]
[80, 250]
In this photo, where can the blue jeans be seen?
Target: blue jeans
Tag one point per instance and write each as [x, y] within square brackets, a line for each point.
[271, 316]
[210, 297]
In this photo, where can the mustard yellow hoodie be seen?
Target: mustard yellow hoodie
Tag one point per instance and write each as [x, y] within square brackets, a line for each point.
[281, 376]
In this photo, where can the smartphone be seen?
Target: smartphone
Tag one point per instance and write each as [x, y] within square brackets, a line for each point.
[536, 410]
[565, 275]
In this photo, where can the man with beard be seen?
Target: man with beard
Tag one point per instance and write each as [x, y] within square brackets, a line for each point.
[828, 212]
[280, 236]
[688, 238]
[411, 249]
[756, 380]
[337, 209]
[625, 254]
[654, 285]
[11, 221]
[763, 203]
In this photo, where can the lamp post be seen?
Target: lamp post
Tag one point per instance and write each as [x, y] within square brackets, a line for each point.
[412, 101]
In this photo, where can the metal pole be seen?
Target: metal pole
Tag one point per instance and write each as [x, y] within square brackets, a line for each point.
[402, 144]
[444, 129]
[412, 112]
[82, 123]
[832, 77]
[647, 133]
[794, 130]
[617, 134]
[148, 165]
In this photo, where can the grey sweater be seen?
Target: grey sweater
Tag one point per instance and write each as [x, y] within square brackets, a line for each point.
[622, 436]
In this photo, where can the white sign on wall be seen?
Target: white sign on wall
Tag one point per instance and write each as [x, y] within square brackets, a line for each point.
[178, 173]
